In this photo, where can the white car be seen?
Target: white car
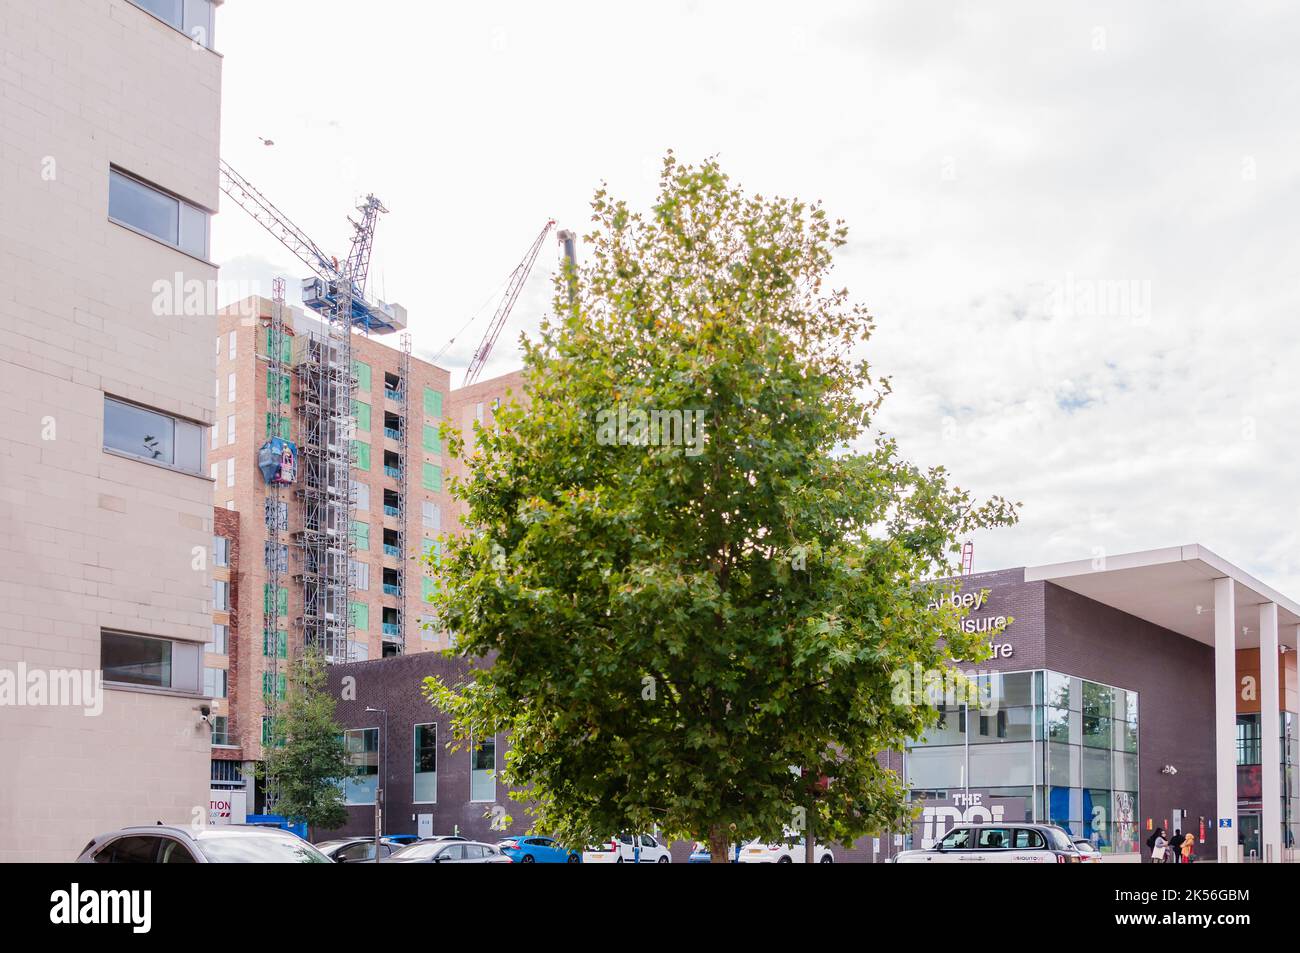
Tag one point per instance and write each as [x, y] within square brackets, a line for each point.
[789, 851]
[998, 844]
[623, 850]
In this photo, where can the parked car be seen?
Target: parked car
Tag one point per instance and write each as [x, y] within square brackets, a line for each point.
[1088, 852]
[226, 844]
[624, 850]
[790, 850]
[605, 853]
[355, 850]
[702, 854]
[452, 850]
[998, 844]
[538, 850]
[402, 839]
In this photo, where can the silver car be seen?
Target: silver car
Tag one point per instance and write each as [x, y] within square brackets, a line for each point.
[225, 844]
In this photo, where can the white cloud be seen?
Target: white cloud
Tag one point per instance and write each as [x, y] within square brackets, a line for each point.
[983, 157]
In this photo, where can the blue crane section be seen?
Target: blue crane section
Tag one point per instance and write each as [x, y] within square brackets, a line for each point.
[330, 280]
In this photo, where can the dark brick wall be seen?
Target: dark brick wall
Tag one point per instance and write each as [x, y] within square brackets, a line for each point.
[395, 684]
[1174, 679]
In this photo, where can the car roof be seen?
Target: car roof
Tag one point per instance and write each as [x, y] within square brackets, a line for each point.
[170, 829]
[227, 830]
[173, 830]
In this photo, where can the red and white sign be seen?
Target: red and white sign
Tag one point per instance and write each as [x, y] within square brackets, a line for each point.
[227, 807]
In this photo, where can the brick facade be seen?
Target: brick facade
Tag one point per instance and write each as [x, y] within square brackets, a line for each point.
[395, 684]
[226, 525]
[241, 359]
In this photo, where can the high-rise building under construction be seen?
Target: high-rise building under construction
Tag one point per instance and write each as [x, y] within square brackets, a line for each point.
[378, 517]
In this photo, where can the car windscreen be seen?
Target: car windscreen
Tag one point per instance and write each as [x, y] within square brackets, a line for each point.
[223, 848]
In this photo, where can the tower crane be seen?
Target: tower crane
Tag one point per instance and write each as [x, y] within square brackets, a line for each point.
[332, 281]
[513, 287]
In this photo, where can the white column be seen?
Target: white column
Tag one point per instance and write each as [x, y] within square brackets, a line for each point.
[1270, 726]
[1225, 719]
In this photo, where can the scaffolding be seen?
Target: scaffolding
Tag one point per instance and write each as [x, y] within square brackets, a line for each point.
[326, 496]
[276, 524]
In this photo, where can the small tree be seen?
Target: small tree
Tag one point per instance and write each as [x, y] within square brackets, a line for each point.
[686, 578]
[306, 758]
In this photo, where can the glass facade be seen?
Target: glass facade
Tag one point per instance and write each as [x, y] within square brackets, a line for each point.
[1066, 745]
[1250, 756]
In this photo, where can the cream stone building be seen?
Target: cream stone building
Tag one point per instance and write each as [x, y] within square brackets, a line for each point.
[109, 127]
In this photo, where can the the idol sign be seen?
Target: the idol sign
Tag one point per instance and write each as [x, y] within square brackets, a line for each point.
[940, 815]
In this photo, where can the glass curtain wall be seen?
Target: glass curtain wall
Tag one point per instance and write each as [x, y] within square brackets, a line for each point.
[1066, 745]
[1249, 784]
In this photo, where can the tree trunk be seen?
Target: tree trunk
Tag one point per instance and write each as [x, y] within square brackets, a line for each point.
[809, 851]
[719, 848]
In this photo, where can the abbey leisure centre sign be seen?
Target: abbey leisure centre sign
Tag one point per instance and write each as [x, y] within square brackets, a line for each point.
[994, 625]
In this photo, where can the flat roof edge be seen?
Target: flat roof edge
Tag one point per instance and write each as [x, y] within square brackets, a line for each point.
[1190, 553]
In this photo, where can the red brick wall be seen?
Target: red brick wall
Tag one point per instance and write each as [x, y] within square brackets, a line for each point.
[226, 523]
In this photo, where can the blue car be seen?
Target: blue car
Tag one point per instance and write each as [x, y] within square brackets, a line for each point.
[538, 850]
[402, 839]
[702, 855]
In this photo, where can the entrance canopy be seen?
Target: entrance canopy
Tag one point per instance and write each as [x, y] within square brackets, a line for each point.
[1174, 588]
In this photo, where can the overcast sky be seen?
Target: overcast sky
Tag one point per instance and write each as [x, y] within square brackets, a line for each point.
[1075, 224]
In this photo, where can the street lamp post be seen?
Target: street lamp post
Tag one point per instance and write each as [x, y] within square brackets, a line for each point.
[383, 776]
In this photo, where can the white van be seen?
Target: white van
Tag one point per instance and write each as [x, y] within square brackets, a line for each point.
[624, 850]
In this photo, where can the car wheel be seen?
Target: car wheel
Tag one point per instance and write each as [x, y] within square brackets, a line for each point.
[828, 859]
[785, 860]
[528, 859]
[574, 859]
[663, 859]
[619, 861]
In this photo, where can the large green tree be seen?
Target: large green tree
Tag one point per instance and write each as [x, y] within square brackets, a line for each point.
[306, 759]
[676, 617]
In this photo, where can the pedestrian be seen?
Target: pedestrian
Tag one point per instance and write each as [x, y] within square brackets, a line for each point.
[1159, 845]
[1188, 842]
[1176, 846]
